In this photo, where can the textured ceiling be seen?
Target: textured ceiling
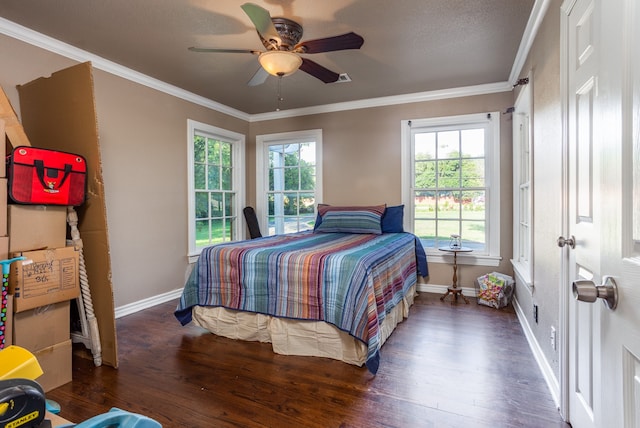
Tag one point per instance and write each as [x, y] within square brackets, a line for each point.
[410, 46]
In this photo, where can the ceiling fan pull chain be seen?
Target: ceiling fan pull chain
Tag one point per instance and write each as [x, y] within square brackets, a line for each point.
[279, 92]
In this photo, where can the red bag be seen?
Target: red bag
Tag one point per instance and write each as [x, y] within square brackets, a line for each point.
[46, 177]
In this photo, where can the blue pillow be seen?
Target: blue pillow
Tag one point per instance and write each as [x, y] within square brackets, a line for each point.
[319, 217]
[392, 219]
[350, 219]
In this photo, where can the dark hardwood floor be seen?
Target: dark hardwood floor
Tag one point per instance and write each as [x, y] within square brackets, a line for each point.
[444, 366]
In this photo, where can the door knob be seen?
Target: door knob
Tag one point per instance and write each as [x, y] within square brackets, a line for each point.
[562, 241]
[587, 291]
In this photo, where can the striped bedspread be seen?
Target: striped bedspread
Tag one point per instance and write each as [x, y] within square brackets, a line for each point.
[348, 280]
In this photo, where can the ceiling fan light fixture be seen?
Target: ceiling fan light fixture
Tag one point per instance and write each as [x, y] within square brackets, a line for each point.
[280, 63]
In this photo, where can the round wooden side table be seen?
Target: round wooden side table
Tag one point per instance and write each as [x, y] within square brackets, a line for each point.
[454, 290]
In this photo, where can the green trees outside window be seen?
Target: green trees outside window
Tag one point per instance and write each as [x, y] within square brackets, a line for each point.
[214, 195]
[450, 186]
[291, 188]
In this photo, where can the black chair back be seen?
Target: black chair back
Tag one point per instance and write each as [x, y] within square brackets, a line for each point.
[252, 222]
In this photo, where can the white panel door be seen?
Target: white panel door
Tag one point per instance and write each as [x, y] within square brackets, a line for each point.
[584, 217]
[603, 134]
[619, 129]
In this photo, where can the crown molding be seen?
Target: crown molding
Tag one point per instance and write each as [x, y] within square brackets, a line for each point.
[50, 44]
[465, 91]
[538, 12]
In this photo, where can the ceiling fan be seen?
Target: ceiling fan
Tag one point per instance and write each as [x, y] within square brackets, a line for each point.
[281, 39]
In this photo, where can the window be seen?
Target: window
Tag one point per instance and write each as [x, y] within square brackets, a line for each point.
[451, 182]
[522, 187]
[288, 180]
[216, 183]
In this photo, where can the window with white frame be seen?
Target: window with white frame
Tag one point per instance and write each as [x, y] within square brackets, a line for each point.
[216, 185]
[451, 182]
[522, 186]
[288, 180]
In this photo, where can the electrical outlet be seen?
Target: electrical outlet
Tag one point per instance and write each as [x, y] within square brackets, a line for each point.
[552, 337]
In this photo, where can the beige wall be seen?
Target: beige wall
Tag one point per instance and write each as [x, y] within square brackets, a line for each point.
[544, 65]
[143, 138]
[21, 63]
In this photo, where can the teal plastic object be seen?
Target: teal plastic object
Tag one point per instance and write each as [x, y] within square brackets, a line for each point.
[52, 406]
[5, 264]
[117, 418]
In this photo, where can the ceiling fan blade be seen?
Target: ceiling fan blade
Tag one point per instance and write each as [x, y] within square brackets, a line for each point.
[318, 71]
[195, 49]
[259, 78]
[328, 44]
[262, 21]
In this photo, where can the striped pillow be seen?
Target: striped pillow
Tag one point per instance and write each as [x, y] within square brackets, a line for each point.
[366, 219]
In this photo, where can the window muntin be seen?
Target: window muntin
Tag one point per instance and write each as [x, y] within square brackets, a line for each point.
[215, 216]
[288, 180]
[449, 190]
[523, 187]
[291, 191]
[451, 176]
[215, 185]
[523, 183]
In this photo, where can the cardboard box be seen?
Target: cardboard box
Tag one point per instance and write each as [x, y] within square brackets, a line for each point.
[43, 326]
[3, 204]
[59, 112]
[57, 421]
[45, 277]
[8, 323]
[56, 364]
[4, 247]
[36, 227]
[14, 131]
[3, 148]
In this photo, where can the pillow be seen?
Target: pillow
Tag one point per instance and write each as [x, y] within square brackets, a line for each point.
[366, 219]
[319, 217]
[392, 219]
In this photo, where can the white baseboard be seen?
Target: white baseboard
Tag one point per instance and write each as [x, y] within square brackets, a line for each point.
[441, 289]
[545, 368]
[134, 307]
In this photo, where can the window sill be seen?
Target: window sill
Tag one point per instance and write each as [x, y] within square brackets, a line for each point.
[523, 274]
[464, 259]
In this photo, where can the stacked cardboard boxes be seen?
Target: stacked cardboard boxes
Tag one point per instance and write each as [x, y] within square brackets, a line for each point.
[42, 285]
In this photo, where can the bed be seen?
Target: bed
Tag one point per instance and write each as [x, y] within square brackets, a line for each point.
[335, 292]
